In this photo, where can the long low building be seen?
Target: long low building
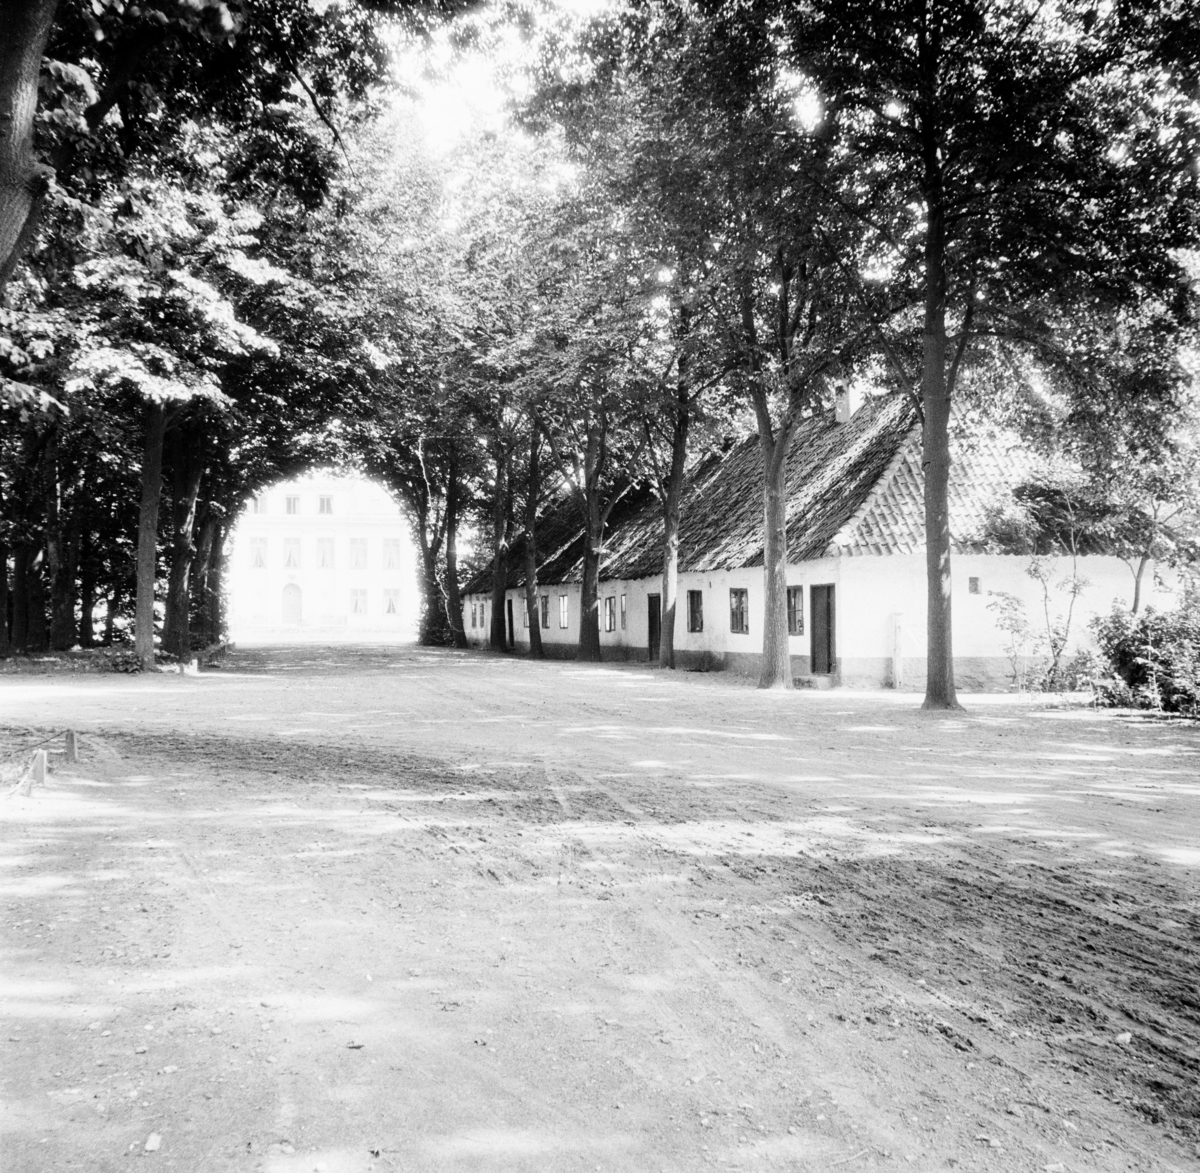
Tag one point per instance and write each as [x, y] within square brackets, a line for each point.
[856, 569]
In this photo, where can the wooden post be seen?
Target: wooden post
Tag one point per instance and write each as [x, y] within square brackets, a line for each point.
[72, 746]
[35, 773]
[897, 650]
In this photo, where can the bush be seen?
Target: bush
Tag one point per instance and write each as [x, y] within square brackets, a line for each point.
[1154, 658]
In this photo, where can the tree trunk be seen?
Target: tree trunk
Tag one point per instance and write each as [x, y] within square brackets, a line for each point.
[61, 552]
[187, 472]
[24, 27]
[533, 490]
[147, 548]
[433, 630]
[198, 579]
[776, 654]
[940, 692]
[1137, 583]
[454, 607]
[498, 631]
[87, 592]
[935, 389]
[213, 625]
[5, 644]
[111, 606]
[38, 638]
[22, 557]
[672, 500]
[589, 602]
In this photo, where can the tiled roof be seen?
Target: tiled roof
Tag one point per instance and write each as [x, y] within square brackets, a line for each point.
[854, 488]
[985, 467]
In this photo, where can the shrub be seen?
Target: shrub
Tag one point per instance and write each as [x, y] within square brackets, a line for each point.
[1154, 657]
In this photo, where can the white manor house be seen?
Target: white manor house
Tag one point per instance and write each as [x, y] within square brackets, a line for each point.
[325, 556]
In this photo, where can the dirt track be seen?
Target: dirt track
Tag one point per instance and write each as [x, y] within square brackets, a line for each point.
[363, 909]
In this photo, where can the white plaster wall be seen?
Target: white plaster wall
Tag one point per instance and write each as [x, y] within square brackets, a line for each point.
[874, 591]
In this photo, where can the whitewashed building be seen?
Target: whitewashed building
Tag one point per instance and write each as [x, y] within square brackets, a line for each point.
[856, 541]
[323, 556]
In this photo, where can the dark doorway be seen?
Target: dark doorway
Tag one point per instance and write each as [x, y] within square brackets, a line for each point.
[512, 631]
[823, 650]
[654, 606]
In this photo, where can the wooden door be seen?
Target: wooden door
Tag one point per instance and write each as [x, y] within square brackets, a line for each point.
[654, 614]
[821, 620]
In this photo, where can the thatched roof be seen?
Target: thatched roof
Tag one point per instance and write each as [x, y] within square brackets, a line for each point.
[853, 489]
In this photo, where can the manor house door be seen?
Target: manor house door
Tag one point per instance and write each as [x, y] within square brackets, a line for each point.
[292, 605]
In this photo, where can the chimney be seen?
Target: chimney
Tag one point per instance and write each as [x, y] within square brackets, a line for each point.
[848, 399]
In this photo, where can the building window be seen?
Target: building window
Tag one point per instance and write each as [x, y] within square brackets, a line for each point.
[358, 553]
[525, 610]
[293, 504]
[291, 553]
[610, 613]
[325, 553]
[258, 504]
[695, 611]
[391, 601]
[973, 586]
[795, 610]
[358, 602]
[473, 623]
[739, 611]
[545, 610]
[562, 610]
[325, 505]
[622, 612]
[391, 553]
[258, 553]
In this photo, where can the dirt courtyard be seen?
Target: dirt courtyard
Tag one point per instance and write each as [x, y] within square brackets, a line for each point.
[384, 909]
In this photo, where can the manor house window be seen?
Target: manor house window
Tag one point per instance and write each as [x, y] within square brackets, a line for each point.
[391, 553]
[291, 553]
[258, 553]
[325, 553]
[695, 610]
[391, 602]
[739, 611]
[358, 553]
[795, 608]
[325, 505]
[358, 602]
[258, 504]
[293, 504]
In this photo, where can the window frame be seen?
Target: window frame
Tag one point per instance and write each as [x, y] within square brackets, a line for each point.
[291, 506]
[624, 613]
[325, 505]
[291, 546]
[358, 545]
[258, 553]
[544, 606]
[610, 612]
[564, 612]
[695, 611]
[739, 610]
[795, 610]
[356, 594]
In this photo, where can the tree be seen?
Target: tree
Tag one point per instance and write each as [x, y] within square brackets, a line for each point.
[1006, 158]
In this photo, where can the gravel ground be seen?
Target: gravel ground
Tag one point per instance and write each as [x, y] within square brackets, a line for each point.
[359, 909]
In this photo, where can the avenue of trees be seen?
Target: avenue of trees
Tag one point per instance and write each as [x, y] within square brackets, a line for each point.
[228, 253]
